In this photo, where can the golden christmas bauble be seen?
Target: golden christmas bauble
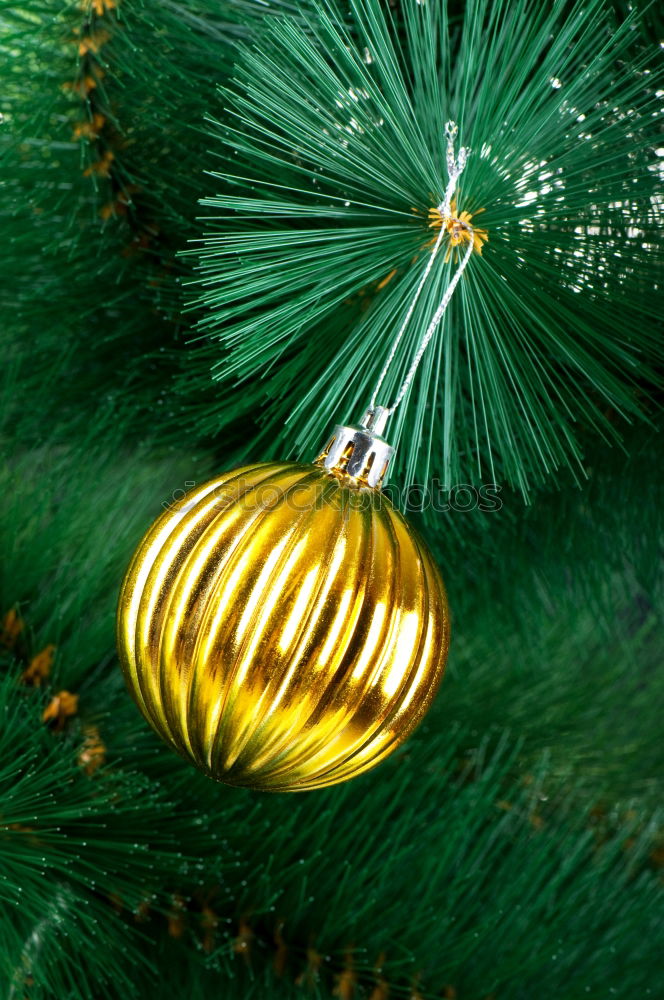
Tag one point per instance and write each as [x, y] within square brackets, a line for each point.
[283, 626]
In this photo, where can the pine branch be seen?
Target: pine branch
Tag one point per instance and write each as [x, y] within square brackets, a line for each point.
[492, 856]
[333, 155]
[100, 159]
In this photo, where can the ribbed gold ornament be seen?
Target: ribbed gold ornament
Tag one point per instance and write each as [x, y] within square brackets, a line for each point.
[283, 626]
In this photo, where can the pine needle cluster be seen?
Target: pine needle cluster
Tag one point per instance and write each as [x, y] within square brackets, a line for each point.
[332, 156]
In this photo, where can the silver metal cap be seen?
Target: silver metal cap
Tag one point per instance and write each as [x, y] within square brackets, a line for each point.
[360, 452]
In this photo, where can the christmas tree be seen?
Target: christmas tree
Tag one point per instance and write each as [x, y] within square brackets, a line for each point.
[217, 215]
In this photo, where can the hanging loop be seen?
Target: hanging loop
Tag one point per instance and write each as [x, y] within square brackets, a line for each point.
[455, 163]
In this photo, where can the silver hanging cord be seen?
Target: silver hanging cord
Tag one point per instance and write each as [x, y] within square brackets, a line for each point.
[455, 167]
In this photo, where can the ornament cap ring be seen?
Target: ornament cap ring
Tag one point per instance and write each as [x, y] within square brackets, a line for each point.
[360, 452]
